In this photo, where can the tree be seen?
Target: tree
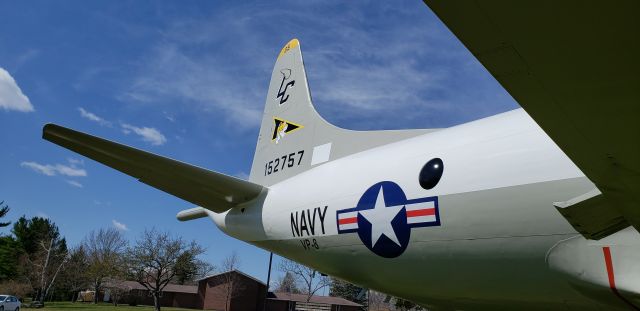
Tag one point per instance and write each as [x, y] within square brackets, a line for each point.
[189, 268]
[8, 250]
[30, 232]
[9, 256]
[48, 263]
[346, 290]
[42, 251]
[310, 279]
[156, 257]
[232, 287]
[104, 250]
[3, 212]
[74, 277]
[15, 288]
[376, 301]
[404, 305]
[117, 289]
[288, 284]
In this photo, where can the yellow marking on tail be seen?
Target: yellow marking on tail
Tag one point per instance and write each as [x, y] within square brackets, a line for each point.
[292, 44]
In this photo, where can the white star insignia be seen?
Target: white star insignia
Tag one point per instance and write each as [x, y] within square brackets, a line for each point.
[380, 218]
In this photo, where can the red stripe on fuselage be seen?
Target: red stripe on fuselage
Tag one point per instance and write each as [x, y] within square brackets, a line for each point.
[422, 212]
[612, 280]
[346, 221]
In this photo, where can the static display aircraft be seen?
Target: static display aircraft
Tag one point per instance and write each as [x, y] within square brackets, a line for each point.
[536, 208]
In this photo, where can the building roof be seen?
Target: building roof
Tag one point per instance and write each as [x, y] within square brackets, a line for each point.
[170, 288]
[315, 299]
[234, 270]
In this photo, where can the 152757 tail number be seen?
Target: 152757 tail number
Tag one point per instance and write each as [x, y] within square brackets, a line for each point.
[279, 164]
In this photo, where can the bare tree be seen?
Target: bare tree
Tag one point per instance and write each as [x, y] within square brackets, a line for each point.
[74, 276]
[310, 280]
[104, 250]
[54, 257]
[376, 301]
[41, 268]
[232, 287]
[15, 288]
[117, 289]
[156, 257]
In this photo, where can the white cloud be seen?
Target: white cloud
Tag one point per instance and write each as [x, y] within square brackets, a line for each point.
[413, 67]
[47, 169]
[74, 183]
[11, 96]
[346, 79]
[148, 134]
[93, 117]
[169, 117]
[120, 226]
[75, 162]
[71, 170]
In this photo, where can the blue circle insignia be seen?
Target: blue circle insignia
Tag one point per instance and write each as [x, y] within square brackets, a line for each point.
[384, 217]
[388, 244]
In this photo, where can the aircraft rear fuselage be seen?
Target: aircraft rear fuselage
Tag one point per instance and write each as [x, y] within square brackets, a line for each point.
[495, 224]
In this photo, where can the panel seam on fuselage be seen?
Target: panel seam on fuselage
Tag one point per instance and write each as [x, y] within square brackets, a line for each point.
[568, 235]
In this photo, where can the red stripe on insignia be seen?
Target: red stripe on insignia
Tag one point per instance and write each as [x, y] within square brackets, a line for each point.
[422, 212]
[612, 280]
[346, 221]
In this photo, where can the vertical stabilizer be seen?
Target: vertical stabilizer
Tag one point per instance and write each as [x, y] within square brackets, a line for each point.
[293, 136]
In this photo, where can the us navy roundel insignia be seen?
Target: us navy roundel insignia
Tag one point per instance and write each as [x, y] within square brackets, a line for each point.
[384, 217]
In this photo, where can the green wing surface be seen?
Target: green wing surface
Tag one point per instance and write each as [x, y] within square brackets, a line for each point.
[573, 66]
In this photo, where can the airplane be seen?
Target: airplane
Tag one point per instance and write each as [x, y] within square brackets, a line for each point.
[531, 209]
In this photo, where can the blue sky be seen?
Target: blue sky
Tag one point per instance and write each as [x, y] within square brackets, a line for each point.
[187, 79]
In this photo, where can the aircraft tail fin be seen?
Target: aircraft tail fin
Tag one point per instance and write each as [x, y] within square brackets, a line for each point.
[293, 136]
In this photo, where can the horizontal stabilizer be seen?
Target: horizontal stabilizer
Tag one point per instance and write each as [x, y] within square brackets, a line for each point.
[214, 191]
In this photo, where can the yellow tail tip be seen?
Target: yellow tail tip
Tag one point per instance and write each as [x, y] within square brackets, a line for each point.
[290, 45]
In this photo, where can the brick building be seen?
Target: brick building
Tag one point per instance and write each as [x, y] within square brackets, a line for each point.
[288, 301]
[244, 293]
[173, 295]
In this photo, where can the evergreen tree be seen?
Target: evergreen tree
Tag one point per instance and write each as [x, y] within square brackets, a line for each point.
[189, 268]
[4, 209]
[31, 232]
[8, 250]
[9, 254]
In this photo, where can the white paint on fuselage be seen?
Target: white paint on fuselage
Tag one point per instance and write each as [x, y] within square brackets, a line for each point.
[501, 176]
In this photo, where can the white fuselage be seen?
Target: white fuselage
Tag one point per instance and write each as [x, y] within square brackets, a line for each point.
[497, 221]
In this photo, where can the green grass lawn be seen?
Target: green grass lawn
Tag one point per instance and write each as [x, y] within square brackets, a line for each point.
[82, 306]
